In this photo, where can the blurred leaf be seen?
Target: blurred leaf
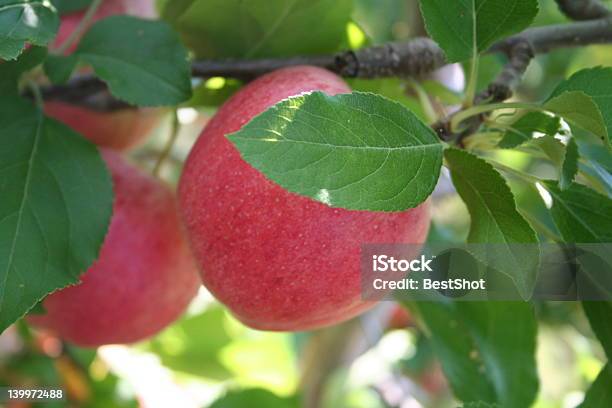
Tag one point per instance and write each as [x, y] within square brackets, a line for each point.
[392, 88]
[580, 109]
[597, 84]
[55, 209]
[599, 314]
[25, 21]
[487, 350]
[444, 94]
[268, 28]
[465, 28]
[207, 95]
[494, 219]
[598, 163]
[10, 71]
[379, 18]
[525, 126]
[143, 61]
[357, 151]
[255, 397]
[70, 6]
[581, 214]
[193, 345]
[551, 147]
[599, 395]
[480, 404]
[570, 164]
[59, 68]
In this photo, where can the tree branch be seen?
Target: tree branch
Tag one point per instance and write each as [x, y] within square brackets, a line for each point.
[583, 9]
[399, 59]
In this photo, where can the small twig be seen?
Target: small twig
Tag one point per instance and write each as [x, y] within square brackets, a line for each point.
[174, 132]
[583, 9]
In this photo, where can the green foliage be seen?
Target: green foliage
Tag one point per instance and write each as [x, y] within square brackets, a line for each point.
[599, 395]
[523, 128]
[25, 21]
[357, 151]
[193, 345]
[599, 314]
[142, 61]
[59, 68]
[580, 109]
[268, 28]
[254, 397]
[597, 84]
[570, 165]
[70, 6]
[581, 214]
[486, 349]
[495, 219]
[55, 208]
[466, 28]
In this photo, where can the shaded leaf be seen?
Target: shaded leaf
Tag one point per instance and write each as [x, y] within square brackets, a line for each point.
[525, 126]
[599, 314]
[268, 28]
[25, 21]
[59, 68]
[569, 169]
[597, 84]
[495, 219]
[579, 109]
[464, 28]
[581, 214]
[55, 208]
[357, 151]
[487, 350]
[254, 397]
[143, 61]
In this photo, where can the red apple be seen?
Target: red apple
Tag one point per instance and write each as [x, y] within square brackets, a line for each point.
[139, 8]
[277, 260]
[145, 275]
[120, 130]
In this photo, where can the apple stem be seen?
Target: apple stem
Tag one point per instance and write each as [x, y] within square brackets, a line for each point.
[174, 132]
[81, 27]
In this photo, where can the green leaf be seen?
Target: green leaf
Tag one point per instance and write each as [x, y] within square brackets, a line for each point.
[55, 209]
[599, 314]
[597, 84]
[70, 6]
[254, 397]
[196, 357]
[487, 350]
[268, 28]
[570, 165]
[598, 163]
[59, 68]
[525, 126]
[599, 395]
[143, 61]
[495, 219]
[581, 214]
[357, 151]
[464, 28]
[480, 404]
[580, 109]
[25, 21]
[440, 91]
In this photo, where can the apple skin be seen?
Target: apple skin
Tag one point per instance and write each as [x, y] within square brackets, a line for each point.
[122, 129]
[138, 8]
[277, 260]
[144, 277]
